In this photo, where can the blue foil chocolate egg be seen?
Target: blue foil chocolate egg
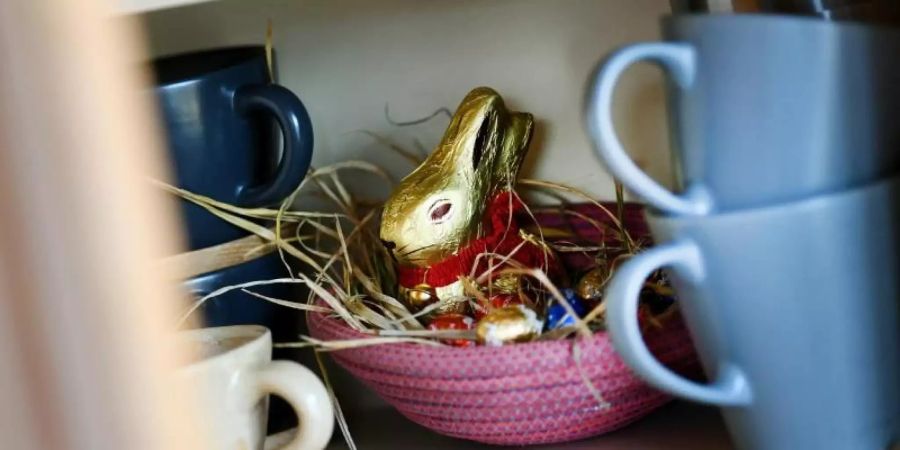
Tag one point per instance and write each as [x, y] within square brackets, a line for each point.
[558, 317]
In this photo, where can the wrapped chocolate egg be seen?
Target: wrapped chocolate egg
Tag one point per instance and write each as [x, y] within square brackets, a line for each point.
[419, 296]
[506, 283]
[453, 322]
[516, 323]
[495, 301]
[591, 285]
[558, 316]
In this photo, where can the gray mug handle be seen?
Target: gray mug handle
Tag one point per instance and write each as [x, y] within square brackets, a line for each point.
[679, 61]
[622, 298]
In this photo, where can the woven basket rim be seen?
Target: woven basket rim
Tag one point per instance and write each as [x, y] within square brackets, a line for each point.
[473, 350]
[317, 321]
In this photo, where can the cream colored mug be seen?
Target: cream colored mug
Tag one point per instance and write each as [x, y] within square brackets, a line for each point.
[232, 376]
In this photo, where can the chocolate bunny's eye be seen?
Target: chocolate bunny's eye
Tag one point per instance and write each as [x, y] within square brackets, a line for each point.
[440, 211]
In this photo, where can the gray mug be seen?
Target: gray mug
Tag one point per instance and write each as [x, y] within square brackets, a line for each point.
[794, 313]
[763, 109]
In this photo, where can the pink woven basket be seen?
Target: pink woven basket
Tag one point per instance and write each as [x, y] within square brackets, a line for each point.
[520, 394]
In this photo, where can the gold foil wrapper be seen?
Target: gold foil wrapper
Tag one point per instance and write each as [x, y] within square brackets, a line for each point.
[516, 323]
[422, 295]
[591, 285]
[438, 208]
[419, 296]
[506, 284]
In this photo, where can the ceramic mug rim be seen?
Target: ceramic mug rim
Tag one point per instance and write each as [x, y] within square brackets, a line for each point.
[164, 67]
[790, 207]
[257, 338]
[811, 23]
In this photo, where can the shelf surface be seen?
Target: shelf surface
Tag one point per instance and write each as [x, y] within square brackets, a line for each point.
[375, 425]
[677, 426]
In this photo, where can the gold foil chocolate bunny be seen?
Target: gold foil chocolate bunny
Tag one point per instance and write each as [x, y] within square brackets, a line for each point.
[458, 206]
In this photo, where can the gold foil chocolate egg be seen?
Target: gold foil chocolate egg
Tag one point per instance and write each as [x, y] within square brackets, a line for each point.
[506, 283]
[420, 296]
[591, 285]
[516, 323]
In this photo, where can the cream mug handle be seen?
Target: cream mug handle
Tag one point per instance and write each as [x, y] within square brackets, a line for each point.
[679, 61]
[307, 396]
[622, 298]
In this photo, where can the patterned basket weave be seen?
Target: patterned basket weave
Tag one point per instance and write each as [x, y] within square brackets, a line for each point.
[540, 392]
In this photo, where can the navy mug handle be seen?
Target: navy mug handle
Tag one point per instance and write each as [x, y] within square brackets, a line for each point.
[298, 141]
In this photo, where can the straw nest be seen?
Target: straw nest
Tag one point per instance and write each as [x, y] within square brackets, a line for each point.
[351, 276]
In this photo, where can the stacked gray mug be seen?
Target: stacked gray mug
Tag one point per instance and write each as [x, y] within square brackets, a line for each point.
[783, 240]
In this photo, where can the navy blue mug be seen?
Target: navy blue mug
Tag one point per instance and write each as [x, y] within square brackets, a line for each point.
[220, 110]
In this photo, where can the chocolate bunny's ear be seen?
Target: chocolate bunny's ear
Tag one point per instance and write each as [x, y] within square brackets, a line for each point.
[482, 141]
[517, 137]
[501, 140]
[483, 146]
[474, 137]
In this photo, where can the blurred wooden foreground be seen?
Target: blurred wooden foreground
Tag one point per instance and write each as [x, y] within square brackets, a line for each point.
[83, 357]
